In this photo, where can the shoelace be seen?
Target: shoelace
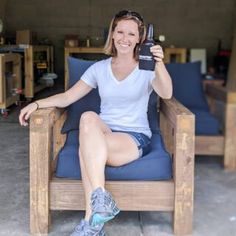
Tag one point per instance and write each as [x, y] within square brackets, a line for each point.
[101, 199]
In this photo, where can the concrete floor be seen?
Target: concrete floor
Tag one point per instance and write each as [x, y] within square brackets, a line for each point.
[214, 210]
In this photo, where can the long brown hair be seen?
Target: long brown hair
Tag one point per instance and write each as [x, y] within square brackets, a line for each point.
[109, 47]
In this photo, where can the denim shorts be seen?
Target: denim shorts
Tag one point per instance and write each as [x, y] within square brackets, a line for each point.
[143, 141]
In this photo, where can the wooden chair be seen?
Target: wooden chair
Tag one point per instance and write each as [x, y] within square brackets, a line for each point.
[222, 104]
[219, 101]
[48, 193]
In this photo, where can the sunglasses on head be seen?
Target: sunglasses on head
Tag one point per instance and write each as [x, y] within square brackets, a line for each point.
[129, 13]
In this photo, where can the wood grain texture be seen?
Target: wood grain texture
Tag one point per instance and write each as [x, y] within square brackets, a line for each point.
[7, 84]
[231, 80]
[209, 145]
[41, 123]
[129, 195]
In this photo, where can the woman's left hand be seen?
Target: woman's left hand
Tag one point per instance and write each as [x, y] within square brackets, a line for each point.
[157, 53]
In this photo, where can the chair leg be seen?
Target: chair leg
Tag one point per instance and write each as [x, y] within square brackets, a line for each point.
[39, 218]
[183, 218]
[40, 146]
[184, 177]
[230, 140]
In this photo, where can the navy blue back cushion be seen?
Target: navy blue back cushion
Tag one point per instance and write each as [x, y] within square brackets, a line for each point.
[91, 102]
[187, 84]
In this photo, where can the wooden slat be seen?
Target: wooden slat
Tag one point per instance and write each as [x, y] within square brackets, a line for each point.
[231, 80]
[179, 53]
[7, 100]
[230, 137]
[40, 149]
[2, 79]
[221, 93]
[209, 145]
[184, 146]
[70, 50]
[171, 108]
[129, 195]
[29, 72]
[30, 87]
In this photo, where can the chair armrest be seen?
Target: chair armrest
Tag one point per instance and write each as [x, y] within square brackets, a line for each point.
[173, 109]
[179, 127]
[42, 123]
[221, 93]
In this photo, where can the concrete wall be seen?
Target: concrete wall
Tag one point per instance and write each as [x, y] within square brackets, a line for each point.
[185, 23]
[2, 9]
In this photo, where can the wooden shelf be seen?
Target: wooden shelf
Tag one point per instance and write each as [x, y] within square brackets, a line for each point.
[10, 79]
[29, 61]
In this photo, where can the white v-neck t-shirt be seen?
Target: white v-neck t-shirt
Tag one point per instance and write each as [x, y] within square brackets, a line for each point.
[124, 103]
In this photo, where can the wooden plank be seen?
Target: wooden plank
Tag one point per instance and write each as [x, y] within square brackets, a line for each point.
[179, 53]
[70, 50]
[209, 145]
[29, 72]
[30, 87]
[7, 98]
[221, 93]
[129, 195]
[40, 144]
[171, 108]
[40, 150]
[184, 173]
[230, 140]
[231, 80]
[2, 79]
[66, 55]
[9, 101]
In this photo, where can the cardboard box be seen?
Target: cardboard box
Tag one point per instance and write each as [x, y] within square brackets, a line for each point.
[26, 37]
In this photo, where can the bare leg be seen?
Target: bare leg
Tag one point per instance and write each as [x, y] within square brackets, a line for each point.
[87, 189]
[98, 146]
[93, 147]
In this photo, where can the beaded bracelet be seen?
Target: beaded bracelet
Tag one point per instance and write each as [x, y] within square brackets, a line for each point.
[37, 105]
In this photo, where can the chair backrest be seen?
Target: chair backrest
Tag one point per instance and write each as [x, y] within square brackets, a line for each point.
[188, 84]
[91, 102]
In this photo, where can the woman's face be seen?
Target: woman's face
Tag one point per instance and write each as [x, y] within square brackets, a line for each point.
[126, 36]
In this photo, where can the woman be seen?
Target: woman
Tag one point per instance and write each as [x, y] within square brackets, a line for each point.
[120, 133]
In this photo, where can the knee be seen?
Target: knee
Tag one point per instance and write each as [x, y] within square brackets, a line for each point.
[88, 121]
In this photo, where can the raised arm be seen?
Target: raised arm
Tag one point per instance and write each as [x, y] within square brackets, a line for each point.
[79, 90]
[162, 84]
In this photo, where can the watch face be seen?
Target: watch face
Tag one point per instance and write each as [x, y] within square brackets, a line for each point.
[1, 25]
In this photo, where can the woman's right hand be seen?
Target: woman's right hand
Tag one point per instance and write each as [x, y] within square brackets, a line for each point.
[26, 112]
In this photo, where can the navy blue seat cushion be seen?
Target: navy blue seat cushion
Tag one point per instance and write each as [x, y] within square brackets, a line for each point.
[205, 123]
[156, 165]
[91, 102]
[187, 84]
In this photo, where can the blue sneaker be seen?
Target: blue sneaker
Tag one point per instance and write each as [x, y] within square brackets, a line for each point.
[85, 229]
[103, 207]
